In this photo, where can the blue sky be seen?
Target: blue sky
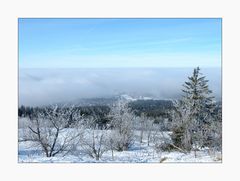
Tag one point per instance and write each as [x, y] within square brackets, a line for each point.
[104, 43]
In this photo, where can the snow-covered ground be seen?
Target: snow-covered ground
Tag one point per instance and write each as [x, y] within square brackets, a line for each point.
[134, 155]
[138, 153]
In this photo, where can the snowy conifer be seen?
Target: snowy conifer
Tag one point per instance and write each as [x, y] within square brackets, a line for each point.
[197, 108]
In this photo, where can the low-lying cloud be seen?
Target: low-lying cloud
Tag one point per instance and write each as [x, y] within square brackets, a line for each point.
[48, 86]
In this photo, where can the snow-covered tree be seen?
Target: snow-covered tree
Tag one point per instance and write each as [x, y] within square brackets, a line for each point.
[48, 129]
[140, 125]
[122, 124]
[145, 125]
[193, 114]
[181, 125]
[95, 140]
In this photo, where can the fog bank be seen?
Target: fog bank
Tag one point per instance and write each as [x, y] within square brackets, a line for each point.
[47, 86]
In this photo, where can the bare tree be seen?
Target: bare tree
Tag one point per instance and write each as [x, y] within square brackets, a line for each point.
[149, 128]
[50, 129]
[94, 142]
[145, 125]
[111, 146]
[141, 122]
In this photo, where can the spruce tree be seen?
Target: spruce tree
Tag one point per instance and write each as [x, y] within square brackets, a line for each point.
[197, 109]
[197, 96]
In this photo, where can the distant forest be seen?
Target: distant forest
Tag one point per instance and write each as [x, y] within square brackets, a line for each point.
[159, 110]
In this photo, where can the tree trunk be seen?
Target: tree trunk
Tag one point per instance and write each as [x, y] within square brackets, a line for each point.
[141, 136]
[112, 155]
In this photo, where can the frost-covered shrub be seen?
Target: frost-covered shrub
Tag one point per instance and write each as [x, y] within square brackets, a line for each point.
[178, 137]
[122, 126]
[122, 141]
[166, 147]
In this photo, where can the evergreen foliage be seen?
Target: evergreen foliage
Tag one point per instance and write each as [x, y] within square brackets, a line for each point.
[194, 114]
